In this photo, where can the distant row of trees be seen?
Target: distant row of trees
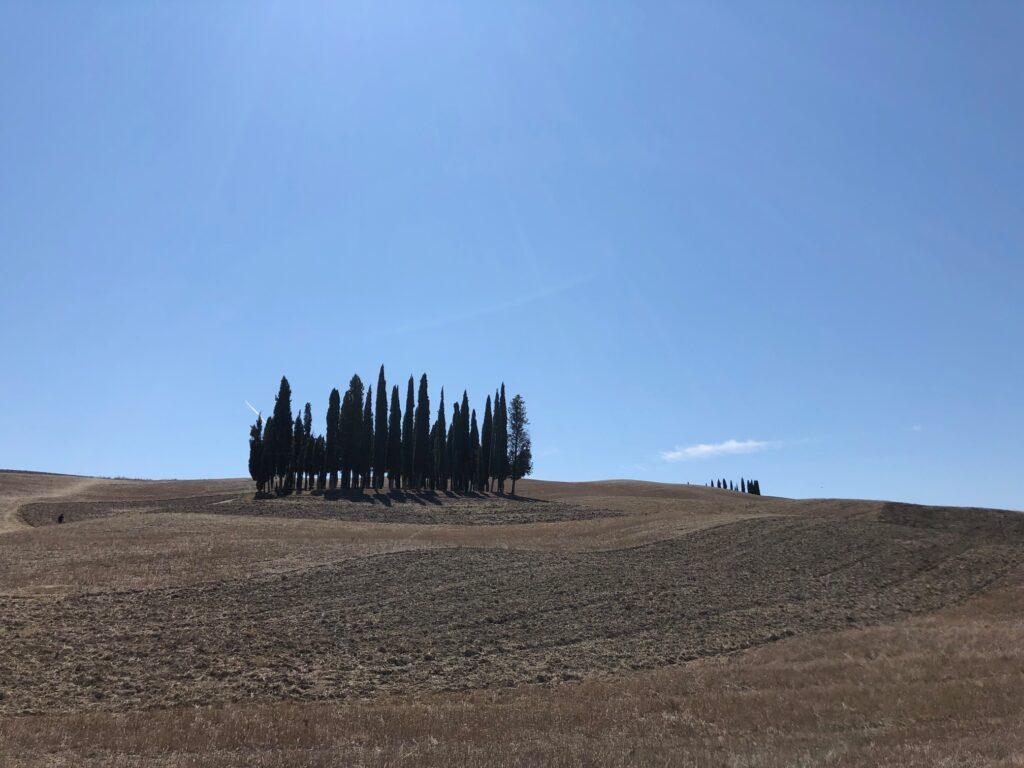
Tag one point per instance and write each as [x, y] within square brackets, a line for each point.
[366, 443]
[745, 486]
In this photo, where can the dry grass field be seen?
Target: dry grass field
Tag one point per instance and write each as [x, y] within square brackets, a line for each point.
[613, 623]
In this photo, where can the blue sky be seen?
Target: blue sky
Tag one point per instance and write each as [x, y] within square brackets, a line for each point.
[790, 233]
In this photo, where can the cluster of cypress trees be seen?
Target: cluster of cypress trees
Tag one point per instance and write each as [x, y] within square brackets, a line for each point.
[366, 442]
[745, 486]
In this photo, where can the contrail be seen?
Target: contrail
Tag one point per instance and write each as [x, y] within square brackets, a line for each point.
[258, 414]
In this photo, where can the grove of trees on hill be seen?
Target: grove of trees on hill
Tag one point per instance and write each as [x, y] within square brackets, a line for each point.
[745, 486]
[367, 442]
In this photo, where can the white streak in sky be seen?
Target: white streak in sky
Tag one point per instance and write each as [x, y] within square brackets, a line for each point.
[709, 450]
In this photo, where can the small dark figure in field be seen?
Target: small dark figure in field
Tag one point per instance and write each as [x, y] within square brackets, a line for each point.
[60, 518]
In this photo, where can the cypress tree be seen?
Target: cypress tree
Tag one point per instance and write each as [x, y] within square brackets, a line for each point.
[408, 439]
[298, 453]
[352, 429]
[267, 460]
[282, 432]
[380, 432]
[320, 460]
[484, 462]
[394, 440]
[256, 451]
[474, 453]
[366, 454]
[449, 442]
[332, 443]
[308, 465]
[432, 480]
[346, 454]
[465, 458]
[352, 446]
[421, 449]
[492, 467]
[499, 453]
[455, 449]
[520, 453]
[439, 444]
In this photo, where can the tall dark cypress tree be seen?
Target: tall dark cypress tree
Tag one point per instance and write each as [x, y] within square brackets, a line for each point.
[366, 454]
[267, 458]
[440, 449]
[346, 453]
[354, 428]
[492, 466]
[332, 442]
[408, 438]
[432, 479]
[380, 432]
[455, 448]
[394, 440]
[282, 434]
[499, 455]
[449, 449]
[474, 452]
[352, 445]
[484, 463]
[256, 452]
[298, 453]
[308, 465]
[421, 449]
[465, 457]
[320, 460]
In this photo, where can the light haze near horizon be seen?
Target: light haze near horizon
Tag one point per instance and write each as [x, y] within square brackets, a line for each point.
[780, 241]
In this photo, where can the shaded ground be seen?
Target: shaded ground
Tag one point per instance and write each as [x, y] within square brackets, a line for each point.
[396, 507]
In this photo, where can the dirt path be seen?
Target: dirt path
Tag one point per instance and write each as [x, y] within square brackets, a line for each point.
[16, 494]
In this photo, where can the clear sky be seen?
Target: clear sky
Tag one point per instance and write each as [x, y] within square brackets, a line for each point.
[791, 233]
